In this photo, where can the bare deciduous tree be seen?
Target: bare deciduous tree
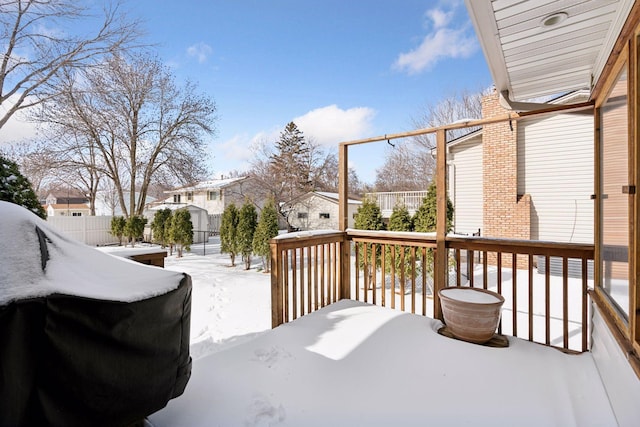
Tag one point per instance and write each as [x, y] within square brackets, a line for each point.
[410, 166]
[293, 166]
[406, 168]
[37, 45]
[128, 121]
[459, 106]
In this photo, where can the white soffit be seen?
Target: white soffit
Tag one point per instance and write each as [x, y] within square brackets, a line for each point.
[530, 59]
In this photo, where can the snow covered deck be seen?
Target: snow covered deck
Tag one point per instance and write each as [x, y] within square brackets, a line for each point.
[352, 363]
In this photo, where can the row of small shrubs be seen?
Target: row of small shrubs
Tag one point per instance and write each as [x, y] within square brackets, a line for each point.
[241, 233]
[169, 228]
[369, 217]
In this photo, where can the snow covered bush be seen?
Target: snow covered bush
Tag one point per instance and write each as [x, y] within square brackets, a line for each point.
[15, 188]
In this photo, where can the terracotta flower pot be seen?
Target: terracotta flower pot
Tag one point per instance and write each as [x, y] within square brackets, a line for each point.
[471, 314]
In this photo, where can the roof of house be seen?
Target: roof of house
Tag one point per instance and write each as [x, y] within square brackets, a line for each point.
[176, 206]
[329, 196]
[537, 48]
[63, 206]
[212, 184]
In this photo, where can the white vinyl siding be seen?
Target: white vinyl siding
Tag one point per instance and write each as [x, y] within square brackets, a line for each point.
[465, 185]
[313, 212]
[555, 167]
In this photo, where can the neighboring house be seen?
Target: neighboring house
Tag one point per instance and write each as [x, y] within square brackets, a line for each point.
[216, 194]
[66, 203]
[199, 219]
[68, 209]
[65, 197]
[318, 210]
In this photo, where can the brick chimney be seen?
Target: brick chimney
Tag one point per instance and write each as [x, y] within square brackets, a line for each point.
[506, 214]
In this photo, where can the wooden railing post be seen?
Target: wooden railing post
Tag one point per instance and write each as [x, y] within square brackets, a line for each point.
[277, 309]
[345, 268]
[441, 268]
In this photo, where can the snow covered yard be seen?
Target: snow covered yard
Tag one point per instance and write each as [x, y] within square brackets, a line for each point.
[229, 305]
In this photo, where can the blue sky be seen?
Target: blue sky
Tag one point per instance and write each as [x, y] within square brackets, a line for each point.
[340, 69]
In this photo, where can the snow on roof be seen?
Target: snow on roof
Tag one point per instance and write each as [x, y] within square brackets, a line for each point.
[176, 206]
[209, 185]
[39, 261]
[336, 197]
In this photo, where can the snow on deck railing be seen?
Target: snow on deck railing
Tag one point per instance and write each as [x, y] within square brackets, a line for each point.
[544, 305]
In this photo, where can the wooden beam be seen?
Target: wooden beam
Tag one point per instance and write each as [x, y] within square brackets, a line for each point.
[343, 187]
[343, 222]
[553, 109]
[441, 268]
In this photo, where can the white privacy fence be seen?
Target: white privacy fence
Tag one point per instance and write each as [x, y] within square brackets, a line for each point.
[91, 230]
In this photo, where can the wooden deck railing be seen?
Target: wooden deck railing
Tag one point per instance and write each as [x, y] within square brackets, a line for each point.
[388, 200]
[544, 284]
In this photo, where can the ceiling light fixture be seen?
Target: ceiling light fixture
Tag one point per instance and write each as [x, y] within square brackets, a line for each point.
[553, 20]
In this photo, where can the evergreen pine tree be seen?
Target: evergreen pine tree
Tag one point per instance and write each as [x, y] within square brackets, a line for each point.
[15, 188]
[228, 232]
[425, 217]
[181, 230]
[247, 222]
[400, 220]
[266, 230]
[160, 226]
[425, 220]
[290, 164]
[117, 227]
[368, 217]
[134, 228]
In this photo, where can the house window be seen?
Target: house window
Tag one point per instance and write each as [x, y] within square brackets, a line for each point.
[324, 216]
[213, 195]
[303, 215]
[189, 196]
[76, 214]
[176, 198]
[614, 204]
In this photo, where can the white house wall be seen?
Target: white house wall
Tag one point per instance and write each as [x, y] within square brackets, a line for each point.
[465, 184]
[313, 206]
[555, 167]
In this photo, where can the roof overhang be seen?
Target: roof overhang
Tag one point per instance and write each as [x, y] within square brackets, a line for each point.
[539, 48]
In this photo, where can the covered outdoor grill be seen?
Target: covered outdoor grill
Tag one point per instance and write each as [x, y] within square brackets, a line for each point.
[85, 338]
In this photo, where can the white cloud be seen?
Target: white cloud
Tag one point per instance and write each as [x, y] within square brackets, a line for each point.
[200, 51]
[439, 17]
[442, 41]
[17, 127]
[331, 125]
[237, 152]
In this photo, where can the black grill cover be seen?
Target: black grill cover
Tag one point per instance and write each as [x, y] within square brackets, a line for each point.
[86, 339]
[72, 361]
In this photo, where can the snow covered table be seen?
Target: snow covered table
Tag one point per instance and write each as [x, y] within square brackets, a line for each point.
[352, 364]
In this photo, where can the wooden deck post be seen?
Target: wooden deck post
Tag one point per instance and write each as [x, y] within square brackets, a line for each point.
[441, 268]
[277, 305]
[343, 221]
